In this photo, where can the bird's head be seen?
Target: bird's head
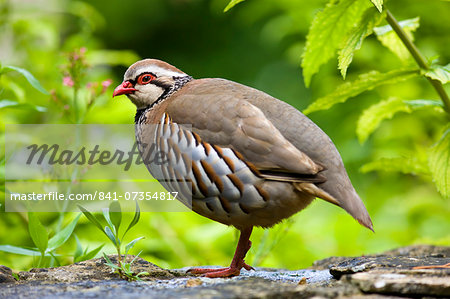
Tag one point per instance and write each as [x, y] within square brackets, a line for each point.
[148, 81]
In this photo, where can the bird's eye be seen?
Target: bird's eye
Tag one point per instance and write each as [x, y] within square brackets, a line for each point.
[144, 79]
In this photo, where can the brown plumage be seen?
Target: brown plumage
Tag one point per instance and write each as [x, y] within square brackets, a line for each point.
[236, 155]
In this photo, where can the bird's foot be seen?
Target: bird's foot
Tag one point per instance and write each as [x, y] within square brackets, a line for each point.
[446, 266]
[221, 272]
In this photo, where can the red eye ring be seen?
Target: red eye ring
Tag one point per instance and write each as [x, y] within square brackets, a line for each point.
[145, 79]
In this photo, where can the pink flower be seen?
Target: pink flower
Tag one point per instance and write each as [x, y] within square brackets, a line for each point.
[106, 83]
[83, 50]
[67, 81]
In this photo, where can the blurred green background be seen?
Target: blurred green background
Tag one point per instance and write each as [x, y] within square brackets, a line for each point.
[258, 43]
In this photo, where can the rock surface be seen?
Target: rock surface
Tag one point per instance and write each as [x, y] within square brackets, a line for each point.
[388, 275]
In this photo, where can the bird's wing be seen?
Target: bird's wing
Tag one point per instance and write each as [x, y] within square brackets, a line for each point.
[264, 130]
[228, 120]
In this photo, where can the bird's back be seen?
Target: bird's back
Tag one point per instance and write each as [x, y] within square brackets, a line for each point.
[298, 129]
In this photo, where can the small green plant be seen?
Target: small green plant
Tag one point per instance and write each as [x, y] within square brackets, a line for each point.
[45, 247]
[113, 217]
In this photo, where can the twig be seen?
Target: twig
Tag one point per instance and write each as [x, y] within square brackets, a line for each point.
[418, 57]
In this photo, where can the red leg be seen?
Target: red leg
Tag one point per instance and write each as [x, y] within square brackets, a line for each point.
[237, 263]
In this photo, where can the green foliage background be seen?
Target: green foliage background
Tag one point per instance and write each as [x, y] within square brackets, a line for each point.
[258, 43]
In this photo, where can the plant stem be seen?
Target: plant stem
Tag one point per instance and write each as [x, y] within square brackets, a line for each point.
[75, 103]
[418, 57]
[119, 259]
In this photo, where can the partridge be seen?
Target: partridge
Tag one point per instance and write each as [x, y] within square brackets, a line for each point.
[235, 154]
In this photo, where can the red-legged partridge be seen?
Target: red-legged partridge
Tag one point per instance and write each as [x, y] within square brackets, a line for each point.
[243, 157]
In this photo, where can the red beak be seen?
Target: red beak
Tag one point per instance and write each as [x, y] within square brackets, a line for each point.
[124, 88]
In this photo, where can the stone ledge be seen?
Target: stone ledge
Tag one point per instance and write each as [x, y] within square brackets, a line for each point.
[386, 275]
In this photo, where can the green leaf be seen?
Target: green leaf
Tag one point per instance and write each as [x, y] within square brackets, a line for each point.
[62, 236]
[369, 20]
[109, 263]
[130, 245]
[108, 220]
[378, 4]
[91, 254]
[19, 250]
[142, 273]
[38, 232]
[399, 164]
[439, 72]
[23, 106]
[231, 4]
[390, 40]
[110, 235]
[115, 214]
[327, 32]
[418, 104]
[91, 218]
[30, 78]
[86, 255]
[371, 118]
[78, 250]
[137, 216]
[364, 82]
[439, 163]
[136, 256]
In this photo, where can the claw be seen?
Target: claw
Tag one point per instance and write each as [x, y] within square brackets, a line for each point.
[237, 263]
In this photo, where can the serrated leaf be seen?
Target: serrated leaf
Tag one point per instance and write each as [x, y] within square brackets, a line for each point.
[135, 220]
[231, 4]
[110, 235]
[23, 106]
[19, 250]
[364, 82]
[439, 163]
[115, 214]
[439, 72]
[130, 245]
[378, 4]
[62, 236]
[38, 232]
[371, 118]
[369, 20]
[327, 32]
[399, 164]
[28, 76]
[390, 40]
